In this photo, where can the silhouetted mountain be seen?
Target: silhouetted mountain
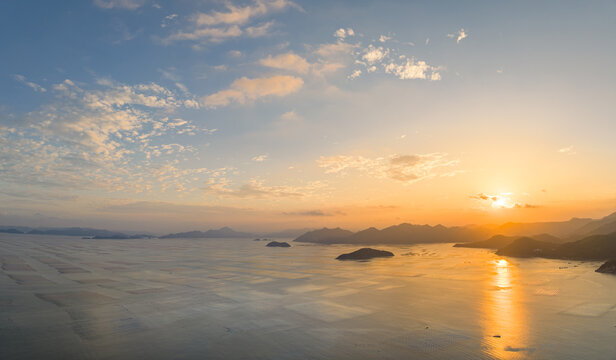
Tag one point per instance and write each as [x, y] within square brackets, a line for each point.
[604, 225]
[224, 232]
[74, 231]
[397, 234]
[595, 247]
[529, 247]
[500, 241]
[324, 236]
[561, 229]
[365, 254]
[11, 231]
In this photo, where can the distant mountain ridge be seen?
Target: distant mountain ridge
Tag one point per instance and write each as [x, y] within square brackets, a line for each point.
[397, 234]
[70, 231]
[553, 232]
[573, 229]
[593, 247]
[223, 232]
[499, 241]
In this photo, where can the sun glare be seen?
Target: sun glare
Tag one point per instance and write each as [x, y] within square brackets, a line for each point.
[502, 263]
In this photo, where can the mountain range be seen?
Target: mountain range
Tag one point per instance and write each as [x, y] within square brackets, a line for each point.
[489, 236]
[71, 231]
[593, 247]
[497, 236]
[223, 232]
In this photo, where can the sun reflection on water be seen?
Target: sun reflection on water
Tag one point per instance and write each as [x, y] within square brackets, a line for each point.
[504, 323]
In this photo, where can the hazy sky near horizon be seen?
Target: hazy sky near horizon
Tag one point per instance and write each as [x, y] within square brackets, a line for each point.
[270, 114]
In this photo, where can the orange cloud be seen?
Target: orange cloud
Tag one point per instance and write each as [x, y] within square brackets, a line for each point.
[245, 89]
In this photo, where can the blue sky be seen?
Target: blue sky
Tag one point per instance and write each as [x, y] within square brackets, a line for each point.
[141, 114]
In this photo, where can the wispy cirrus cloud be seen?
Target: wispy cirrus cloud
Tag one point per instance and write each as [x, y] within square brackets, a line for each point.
[119, 4]
[34, 86]
[458, 35]
[313, 213]
[404, 168]
[245, 90]
[257, 189]
[235, 21]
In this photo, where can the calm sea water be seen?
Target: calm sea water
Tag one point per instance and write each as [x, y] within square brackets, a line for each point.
[65, 297]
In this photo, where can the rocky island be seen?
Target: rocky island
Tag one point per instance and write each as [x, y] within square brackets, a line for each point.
[365, 254]
[278, 244]
[609, 267]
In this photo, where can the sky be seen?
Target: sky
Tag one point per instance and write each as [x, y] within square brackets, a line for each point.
[165, 116]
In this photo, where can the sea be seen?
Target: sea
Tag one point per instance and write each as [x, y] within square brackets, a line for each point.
[73, 298]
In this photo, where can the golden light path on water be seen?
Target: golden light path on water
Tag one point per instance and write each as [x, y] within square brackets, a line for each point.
[504, 326]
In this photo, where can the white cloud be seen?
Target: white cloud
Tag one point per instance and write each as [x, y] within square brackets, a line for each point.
[459, 35]
[259, 30]
[36, 87]
[290, 116]
[335, 50]
[106, 136]
[384, 38]
[241, 15]
[288, 61]
[256, 188]
[260, 158]
[374, 54]
[391, 61]
[168, 20]
[209, 34]
[120, 4]
[217, 26]
[293, 62]
[344, 33]
[245, 89]
[404, 168]
[355, 74]
[413, 69]
[569, 150]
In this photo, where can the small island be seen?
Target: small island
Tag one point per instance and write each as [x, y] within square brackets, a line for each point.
[278, 244]
[609, 267]
[365, 254]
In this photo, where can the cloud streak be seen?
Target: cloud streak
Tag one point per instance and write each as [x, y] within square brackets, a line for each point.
[34, 86]
[246, 90]
[257, 189]
[218, 26]
[502, 201]
[403, 168]
[119, 4]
